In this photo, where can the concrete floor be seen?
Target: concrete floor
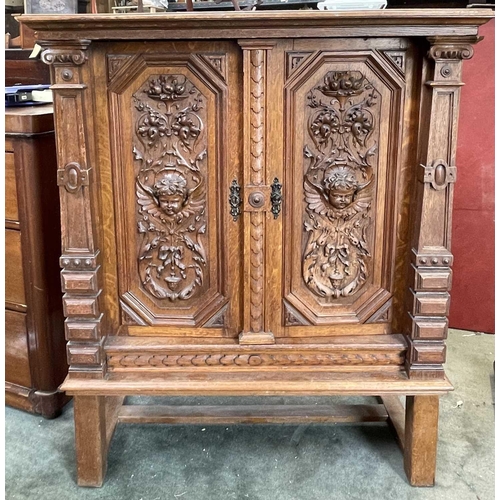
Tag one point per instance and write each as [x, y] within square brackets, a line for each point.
[153, 462]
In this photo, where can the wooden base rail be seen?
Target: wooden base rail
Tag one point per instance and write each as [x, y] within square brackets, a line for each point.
[251, 414]
[415, 426]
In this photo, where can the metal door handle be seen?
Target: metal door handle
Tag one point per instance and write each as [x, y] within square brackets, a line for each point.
[276, 197]
[235, 200]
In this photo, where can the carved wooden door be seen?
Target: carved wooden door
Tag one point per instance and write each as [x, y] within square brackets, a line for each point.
[175, 128]
[343, 118]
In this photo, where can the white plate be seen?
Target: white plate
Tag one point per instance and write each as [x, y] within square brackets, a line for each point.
[352, 4]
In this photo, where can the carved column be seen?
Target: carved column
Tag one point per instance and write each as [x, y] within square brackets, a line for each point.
[431, 259]
[256, 191]
[80, 276]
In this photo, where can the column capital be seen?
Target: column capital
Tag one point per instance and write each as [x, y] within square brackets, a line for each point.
[64, 53]
[451, 47]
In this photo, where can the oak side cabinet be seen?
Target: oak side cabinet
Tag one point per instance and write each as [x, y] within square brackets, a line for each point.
[257, 203]
[35, 360]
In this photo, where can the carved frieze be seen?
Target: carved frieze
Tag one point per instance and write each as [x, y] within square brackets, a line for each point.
[133, 361]
[170, 150]
[338, 183]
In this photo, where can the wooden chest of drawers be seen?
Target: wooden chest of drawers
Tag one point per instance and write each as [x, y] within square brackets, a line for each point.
[257, 203]
[34, 330]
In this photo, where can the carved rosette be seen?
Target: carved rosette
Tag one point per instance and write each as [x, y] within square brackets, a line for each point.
[170, 152]
[338, 184]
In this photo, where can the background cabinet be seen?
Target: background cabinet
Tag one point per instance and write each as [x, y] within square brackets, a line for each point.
[34, 333]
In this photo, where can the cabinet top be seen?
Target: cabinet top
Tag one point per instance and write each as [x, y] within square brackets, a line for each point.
[29, 119]
[259, 24]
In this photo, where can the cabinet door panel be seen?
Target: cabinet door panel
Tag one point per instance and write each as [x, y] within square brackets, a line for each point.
[173, 142]
[343, 112]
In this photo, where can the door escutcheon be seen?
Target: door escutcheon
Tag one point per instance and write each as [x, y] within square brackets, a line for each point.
[276, 197]
[235, 199]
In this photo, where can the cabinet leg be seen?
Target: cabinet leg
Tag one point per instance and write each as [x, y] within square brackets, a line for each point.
[421, 432]
[90, 439]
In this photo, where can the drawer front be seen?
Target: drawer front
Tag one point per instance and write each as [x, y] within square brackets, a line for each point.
[14, 277]
[11, 210]
[17, 369]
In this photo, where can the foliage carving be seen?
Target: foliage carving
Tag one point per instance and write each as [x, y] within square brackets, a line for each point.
[171, 152]
[338, 183]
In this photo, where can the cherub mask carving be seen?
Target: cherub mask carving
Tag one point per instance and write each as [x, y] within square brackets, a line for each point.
[340, 185]
[172, 193]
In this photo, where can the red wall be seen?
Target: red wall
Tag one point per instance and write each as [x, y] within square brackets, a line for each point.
[472, 303]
